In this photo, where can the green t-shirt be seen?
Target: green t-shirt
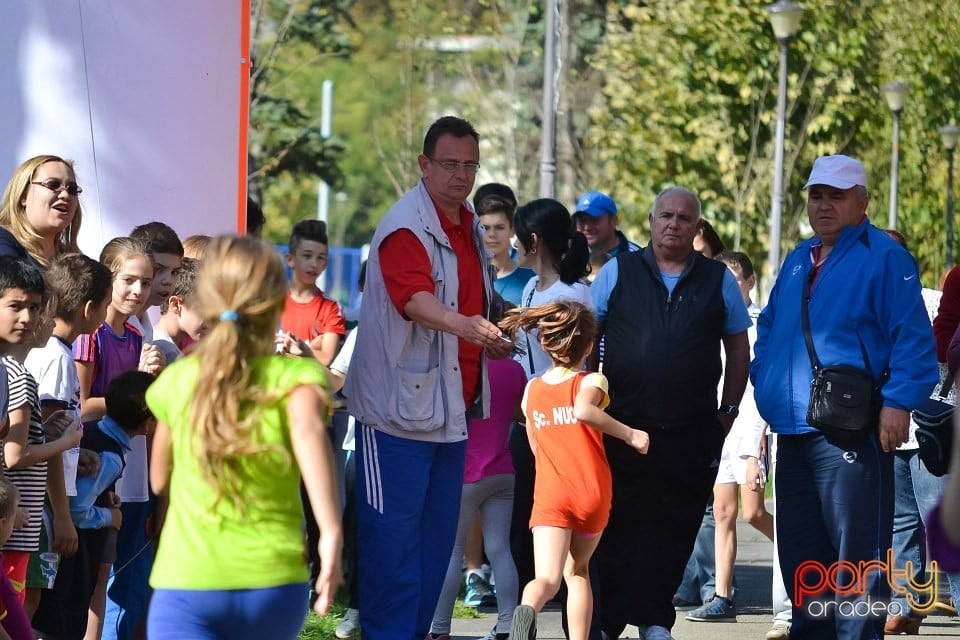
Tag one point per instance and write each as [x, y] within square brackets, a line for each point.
[203, 548]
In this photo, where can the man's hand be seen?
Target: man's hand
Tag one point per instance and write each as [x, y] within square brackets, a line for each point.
[481, 332]
[501, 349]
[726, 421]
[894, 428]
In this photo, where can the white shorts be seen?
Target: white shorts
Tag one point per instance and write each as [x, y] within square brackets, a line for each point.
[733, 468]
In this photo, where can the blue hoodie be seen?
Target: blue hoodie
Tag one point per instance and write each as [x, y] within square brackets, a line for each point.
[868, 288]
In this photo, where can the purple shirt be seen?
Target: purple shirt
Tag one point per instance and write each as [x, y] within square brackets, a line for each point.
[110, 354]
[487, 450]
[942, 550]
[12, 615]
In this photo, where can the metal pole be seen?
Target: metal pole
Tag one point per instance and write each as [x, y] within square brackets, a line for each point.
[949, 208]
[894, 170]
[326, 126]
[548, 161]
[776, 203]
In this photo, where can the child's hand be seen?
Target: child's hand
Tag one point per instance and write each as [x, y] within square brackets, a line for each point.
[59, 423]
[640, 441]
[88, 463]
[69, 436]
[72, 436]
[331, 577]
[287, 343]
[64, 537]
[151, 359]
[116, 518]
[22, 518]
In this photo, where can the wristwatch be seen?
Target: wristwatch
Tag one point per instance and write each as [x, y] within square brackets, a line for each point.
[731, 410]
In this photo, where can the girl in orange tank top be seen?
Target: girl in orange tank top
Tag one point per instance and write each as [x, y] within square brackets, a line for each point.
[565, 423]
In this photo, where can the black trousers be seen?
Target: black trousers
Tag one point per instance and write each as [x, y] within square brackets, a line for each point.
[62, 611]
[658, 503]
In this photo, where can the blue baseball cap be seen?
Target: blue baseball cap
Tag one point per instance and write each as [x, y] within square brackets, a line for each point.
[596, 204]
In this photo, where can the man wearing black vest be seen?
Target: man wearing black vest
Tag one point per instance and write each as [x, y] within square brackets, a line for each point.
[664, 312]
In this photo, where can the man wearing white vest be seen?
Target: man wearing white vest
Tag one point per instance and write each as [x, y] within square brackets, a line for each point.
[416, 377]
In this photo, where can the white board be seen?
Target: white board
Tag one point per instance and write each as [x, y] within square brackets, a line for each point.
[148, 98]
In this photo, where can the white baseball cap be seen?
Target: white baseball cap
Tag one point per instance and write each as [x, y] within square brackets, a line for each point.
[840, 172]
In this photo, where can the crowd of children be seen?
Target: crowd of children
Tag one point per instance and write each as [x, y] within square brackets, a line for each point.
[95, 440]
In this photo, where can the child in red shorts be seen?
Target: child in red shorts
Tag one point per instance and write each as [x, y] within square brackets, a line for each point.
[573, 489]
[14, 624]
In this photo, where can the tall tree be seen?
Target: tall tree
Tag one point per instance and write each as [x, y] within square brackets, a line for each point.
[689, 98]
[290, 38]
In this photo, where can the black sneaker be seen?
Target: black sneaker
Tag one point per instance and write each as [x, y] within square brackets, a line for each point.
[524, 626]
[680, 604]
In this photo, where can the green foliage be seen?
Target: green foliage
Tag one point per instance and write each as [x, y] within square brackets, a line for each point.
[690, 98]
[650, 94]
[289, 38]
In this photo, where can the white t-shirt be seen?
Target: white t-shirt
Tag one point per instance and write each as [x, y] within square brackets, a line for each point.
[341, 364]
[145, 328]
[559, 290]
[55, 371]
[164, 341]
[133, 485]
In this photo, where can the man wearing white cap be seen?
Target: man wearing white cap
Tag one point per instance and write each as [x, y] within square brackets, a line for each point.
[860, 292]
[596, 218]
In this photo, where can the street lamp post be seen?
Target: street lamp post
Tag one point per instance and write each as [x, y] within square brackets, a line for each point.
[785, 19]
[548, 133]
[896, 93]
[949, 134]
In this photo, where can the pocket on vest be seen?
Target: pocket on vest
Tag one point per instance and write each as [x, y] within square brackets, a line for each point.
[419, 401]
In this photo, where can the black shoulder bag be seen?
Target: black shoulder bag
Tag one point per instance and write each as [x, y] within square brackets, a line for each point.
[844, 400]
[934, 418]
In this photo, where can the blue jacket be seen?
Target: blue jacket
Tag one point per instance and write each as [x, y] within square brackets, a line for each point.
[869, 289]
[83, 506]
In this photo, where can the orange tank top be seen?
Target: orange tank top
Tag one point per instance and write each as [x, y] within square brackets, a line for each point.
[573, 476]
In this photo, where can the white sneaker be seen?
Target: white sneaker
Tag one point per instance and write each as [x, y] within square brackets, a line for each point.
[656, 632]
[349, 625]
[780, 631]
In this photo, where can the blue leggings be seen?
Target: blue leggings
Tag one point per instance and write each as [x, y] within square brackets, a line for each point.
[180, 614]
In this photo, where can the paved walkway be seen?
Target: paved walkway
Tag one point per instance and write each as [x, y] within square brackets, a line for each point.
[754, 575]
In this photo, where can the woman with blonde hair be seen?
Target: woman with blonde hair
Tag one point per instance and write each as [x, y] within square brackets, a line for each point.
[237, 427]
[40, 210]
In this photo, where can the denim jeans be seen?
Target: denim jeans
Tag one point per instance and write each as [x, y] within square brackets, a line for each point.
[700, 576]
[917, 492]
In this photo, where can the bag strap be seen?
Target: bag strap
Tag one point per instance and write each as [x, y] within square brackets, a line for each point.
[805, 314]
[526, 334]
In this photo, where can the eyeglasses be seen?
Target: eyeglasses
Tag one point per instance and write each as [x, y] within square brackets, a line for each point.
[470, 168]
[72, 188]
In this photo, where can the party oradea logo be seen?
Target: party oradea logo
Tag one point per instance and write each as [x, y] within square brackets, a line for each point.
[843, 588]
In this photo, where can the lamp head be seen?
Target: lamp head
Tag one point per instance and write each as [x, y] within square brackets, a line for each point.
[896, 93]
[949, 134]
[784, 18]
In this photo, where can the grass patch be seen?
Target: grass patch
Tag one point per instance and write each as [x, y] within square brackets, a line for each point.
[323, 627]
